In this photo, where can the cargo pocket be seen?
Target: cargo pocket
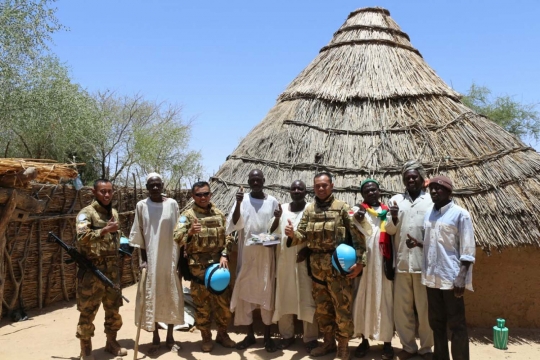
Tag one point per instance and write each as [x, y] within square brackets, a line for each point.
[318, 232]
[309, 232]
[341, 233]
[221, 237]
[329, 234]
[211, 241]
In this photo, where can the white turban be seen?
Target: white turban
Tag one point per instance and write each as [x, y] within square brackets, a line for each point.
[153, 174]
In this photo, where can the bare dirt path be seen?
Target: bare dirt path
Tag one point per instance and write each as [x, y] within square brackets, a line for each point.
[50, 334]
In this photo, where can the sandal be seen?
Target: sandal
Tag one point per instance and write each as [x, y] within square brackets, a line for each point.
[285, 343]
[173, 346]
[310, 345]
[247, 342]
[270, 346]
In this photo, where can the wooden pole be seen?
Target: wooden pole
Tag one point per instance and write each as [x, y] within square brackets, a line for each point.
[4, 222]
[40, 267]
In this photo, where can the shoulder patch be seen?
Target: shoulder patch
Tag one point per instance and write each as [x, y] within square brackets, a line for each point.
[81, 217]
[182, 219]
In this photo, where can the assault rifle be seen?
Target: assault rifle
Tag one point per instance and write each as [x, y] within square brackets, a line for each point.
[85, 264]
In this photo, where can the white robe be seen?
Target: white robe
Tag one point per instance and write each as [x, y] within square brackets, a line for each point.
[373, 309]
[293, 284]
[152, 230]
[254, 286]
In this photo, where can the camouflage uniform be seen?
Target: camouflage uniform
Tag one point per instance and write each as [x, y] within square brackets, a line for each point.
[324, 226]
[204, 249]
[103, 252]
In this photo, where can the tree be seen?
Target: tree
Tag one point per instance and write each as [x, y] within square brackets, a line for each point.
[515, 117]
[49, 116]
[141, 136]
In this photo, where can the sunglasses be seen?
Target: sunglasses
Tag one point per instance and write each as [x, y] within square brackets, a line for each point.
[205, 194]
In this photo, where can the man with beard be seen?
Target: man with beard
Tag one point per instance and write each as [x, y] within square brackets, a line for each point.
[293, 284]
[325, 225]
[407, 217]
[373, 306]
[254, 286]
[201, 229]
[152, 231]
[98, 238]
[449, 252]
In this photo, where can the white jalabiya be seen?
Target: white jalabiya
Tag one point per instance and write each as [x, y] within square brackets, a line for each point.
[373, 312]
[254, 286]
[293, 288]
[152, 230]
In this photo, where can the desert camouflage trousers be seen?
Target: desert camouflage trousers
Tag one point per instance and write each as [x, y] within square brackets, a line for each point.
[207, 303]
[333, 301]
[91, 293]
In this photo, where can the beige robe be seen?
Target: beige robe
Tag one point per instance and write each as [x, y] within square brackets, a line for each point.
[293, 284]
[152, 230]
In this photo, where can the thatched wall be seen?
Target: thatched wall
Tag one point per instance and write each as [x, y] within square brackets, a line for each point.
[35, 268]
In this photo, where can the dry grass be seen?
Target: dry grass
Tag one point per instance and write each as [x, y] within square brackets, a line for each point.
[48, 171]
[369, 102]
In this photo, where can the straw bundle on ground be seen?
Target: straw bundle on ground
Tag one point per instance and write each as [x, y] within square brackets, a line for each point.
[365, 105]
[48, 171]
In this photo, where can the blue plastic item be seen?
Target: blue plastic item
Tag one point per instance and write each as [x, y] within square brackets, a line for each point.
[343, 258]
[217, 279]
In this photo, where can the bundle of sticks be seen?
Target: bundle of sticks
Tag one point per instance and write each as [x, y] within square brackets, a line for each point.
[19, 172]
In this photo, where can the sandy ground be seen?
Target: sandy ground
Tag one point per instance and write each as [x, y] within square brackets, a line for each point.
[50, 334]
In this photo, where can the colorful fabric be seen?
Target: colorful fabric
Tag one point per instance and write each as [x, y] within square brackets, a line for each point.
[384, 240]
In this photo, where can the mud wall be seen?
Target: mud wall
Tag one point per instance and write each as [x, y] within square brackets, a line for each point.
[505, 285]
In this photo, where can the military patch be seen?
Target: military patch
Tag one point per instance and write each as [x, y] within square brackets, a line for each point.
[82, 227]
[182, 219]
[81, 217]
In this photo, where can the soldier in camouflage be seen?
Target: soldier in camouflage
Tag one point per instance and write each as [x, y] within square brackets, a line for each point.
[201, 230]
[326, 223]
[98, 238]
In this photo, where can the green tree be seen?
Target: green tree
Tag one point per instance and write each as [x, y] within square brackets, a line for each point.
[515, 117]
[142, 136]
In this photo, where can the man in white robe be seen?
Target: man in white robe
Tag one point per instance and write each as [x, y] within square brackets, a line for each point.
[373, 306]
[293, 284]
[254, 286]
[152, 232]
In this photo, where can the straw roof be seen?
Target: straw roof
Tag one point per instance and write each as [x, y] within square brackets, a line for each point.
[365, 105]
[47, 171]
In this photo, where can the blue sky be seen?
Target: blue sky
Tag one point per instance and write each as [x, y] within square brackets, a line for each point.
[226, 62]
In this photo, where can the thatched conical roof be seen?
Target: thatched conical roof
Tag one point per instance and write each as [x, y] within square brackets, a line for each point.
[365, 105]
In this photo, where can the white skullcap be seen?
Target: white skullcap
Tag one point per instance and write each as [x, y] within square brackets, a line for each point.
[153, 174]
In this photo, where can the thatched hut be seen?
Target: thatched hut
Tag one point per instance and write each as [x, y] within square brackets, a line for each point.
[366, 104]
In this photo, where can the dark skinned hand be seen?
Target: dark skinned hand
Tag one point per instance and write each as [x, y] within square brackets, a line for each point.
[240, 195]
[360, 214]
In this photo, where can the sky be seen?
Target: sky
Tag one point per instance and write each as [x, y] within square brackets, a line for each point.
[226, 62]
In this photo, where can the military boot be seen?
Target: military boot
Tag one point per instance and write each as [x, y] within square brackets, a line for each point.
[206, 345]
[86, 350]
[112, 346]
[328, 345]
[343, 348]
[223, 338]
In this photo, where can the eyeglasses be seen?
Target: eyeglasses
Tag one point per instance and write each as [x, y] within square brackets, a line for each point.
[205, 194]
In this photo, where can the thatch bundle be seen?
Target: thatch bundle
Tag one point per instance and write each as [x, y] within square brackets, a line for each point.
[48, 171]
[365, 105]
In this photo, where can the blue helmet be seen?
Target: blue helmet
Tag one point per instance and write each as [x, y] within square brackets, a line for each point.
[343, 258]
[216, 279]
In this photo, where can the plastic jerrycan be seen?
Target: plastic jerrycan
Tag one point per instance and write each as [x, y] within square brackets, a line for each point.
[500, 335]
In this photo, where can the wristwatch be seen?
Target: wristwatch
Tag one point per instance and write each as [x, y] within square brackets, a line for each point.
[225, 255]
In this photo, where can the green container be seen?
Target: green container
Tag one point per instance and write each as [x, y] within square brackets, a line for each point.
[500, 335]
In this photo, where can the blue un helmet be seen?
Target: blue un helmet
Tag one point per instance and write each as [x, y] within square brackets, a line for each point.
[343, 258]
[216, 279]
